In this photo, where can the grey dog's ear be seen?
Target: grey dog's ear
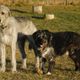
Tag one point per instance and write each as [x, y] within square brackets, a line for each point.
[5, 10]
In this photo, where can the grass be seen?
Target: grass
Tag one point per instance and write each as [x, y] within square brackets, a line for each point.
[67, 18]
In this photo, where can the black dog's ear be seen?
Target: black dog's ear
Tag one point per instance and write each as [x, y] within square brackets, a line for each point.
[50, 40]
[49, 37]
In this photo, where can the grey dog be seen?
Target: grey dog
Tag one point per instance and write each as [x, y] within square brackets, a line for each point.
[13, 30]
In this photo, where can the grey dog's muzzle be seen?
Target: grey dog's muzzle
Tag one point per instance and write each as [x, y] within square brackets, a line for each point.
[2, 26]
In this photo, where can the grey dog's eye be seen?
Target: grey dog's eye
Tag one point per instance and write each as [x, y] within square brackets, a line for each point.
[2, 13]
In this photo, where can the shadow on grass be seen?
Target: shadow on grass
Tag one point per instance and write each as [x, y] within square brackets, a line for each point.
[64, 69]
[30, 67]
[38, 17]
[20, 11]
[33, 15]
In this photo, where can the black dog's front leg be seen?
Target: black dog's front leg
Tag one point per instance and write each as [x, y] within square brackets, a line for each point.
[51, 64]
[43, 65]
[50, 67]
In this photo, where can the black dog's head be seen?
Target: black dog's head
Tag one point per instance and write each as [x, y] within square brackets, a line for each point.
[41, 37]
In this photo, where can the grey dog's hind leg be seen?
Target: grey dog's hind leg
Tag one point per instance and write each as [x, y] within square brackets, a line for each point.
[21, 45]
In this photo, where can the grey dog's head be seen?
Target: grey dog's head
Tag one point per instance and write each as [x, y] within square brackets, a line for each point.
[4, 13]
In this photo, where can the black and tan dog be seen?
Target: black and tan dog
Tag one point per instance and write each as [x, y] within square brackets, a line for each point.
[56, 44]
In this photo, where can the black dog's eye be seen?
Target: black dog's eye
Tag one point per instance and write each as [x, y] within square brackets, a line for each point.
[2, 13]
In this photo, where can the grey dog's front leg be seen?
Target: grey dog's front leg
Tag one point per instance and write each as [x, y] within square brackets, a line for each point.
[3, 55]
[13, 46]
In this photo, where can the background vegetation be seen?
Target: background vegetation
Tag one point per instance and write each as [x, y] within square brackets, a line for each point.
[41, 2]
[67, 18]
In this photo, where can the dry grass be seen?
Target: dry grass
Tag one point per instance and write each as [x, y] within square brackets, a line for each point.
[67, 18]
